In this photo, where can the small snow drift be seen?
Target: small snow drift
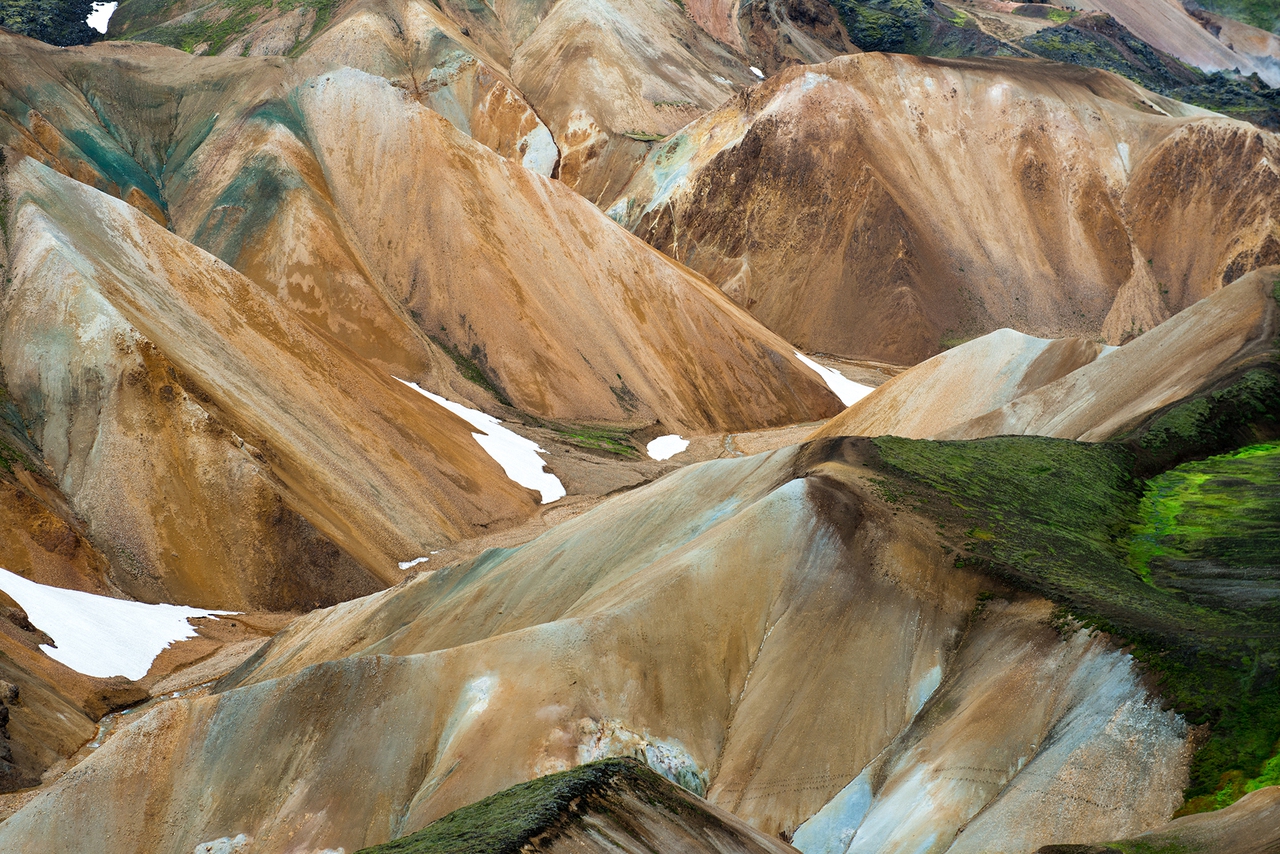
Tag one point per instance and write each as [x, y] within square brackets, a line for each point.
[517, 455]
[97, 635]
[100, 15]
[409, 564]
[666, 447]
[846, 389]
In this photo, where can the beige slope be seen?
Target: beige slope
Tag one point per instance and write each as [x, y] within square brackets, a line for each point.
[882, 206]
[1005, 383]
[1249, 826]
[769, 627]
[962, 383]
[1217, 338]
[224, 450]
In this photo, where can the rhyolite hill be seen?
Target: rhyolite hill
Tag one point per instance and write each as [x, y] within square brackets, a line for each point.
[298, 296]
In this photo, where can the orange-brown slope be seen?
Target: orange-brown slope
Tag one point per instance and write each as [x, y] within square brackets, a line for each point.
[360, 233]
[221, 450]
[882, 206]
[570, 317]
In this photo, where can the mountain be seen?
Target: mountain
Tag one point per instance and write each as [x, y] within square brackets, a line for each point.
[268, 395]
[771, 626]
[937, 200]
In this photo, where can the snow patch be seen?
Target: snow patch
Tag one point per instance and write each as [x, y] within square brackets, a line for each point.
[97, 635]
[517, 455]
[409, 564]
[1123, 150]
[666, 447]
[846, 389]
[540, 152]
[757, 72]
[100, 15]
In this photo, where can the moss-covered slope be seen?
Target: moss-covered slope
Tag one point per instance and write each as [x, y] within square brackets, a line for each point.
[606, 806]
[1180, 561]
[927, 28]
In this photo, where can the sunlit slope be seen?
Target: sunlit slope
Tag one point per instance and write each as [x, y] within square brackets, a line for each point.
[1005, 383]
[757, 629]
[887, 207]
[339, 195]
[221, 450]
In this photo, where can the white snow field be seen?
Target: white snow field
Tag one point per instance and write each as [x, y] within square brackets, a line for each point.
[517, 455]
[100, 15]
[98, 635]
[666, 447]
[846, 389]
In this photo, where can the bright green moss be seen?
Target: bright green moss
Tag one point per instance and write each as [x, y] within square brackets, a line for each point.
[1184, 567]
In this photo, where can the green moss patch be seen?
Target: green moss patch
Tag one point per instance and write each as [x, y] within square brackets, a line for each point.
[1182, 566]
[504, 823]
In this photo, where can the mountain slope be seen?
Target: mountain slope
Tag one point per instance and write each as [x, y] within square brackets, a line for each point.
[882, 206]
[1004, 383]
[771, 626]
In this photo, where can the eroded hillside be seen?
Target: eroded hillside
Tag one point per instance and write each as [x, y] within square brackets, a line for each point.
[363, 483]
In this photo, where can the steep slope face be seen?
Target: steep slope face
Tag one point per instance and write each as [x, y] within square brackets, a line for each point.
[614, 805]
[264, 172]
[962, 383]
[221, 450]
[591, 325]
[1004, 383]
[771, 627]
[880, 206]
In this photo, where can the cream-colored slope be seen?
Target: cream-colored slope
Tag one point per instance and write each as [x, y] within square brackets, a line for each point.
[962, 383]
[1216, 338]
[1004, 383]
[1003, 758]
[223, 451]
[1249, 826]
[761, 628]
[572, 317]
[879, 206]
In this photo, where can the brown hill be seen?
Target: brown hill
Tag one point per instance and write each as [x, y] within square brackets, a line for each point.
[885, 206]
